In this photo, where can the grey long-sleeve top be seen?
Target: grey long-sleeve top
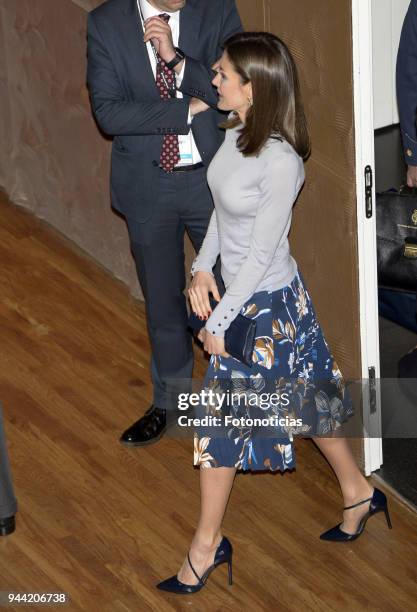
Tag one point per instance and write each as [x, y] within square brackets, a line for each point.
[253, 198]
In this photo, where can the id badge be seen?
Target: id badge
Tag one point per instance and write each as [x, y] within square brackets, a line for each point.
[186, 152]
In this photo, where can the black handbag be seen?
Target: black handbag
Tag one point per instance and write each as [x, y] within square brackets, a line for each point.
[396, 230]
[239, 338]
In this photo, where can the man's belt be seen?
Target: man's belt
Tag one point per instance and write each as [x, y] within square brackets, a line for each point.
[188, 167]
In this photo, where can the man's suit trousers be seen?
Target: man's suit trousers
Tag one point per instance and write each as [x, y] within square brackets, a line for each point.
[184, 203]
[8, 503]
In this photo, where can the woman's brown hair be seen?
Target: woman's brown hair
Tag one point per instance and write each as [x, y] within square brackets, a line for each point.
[277, 109]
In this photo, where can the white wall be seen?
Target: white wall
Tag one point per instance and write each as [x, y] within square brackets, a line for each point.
[387, 20]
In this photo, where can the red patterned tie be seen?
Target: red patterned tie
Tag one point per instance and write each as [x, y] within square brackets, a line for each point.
[170, 154]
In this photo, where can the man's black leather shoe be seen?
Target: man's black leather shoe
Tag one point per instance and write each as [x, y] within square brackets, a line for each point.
[7, 526]
[148, 429]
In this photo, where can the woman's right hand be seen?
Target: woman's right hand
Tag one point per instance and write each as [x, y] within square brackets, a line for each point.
[202, 284]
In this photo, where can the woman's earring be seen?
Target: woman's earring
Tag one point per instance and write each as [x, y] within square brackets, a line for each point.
[250, 101]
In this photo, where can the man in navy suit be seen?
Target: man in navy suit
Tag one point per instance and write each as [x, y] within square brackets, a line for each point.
[407, 91]
[149, 75]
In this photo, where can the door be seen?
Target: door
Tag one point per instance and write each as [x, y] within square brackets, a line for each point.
[366, 223]
[376, 28]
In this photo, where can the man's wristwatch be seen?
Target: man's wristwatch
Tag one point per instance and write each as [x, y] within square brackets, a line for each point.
[179, 56]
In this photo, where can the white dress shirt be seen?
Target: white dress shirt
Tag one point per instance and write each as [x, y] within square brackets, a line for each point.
[188, 149]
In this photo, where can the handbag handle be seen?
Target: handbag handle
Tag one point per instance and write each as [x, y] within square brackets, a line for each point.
[408, 191]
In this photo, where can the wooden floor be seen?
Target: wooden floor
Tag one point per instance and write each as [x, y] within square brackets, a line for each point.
[103, 523]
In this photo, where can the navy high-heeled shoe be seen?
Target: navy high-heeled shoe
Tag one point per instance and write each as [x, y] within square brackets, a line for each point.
[378, 504]
[223, 555]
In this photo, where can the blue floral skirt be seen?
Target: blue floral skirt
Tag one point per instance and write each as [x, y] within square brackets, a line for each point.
[250, 414]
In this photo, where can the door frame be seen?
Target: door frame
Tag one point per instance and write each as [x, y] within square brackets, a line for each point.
[366, 227]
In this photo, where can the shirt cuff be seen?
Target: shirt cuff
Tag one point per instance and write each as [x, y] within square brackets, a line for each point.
[410, 150]
[197, 266]
[179, 77]
[215, 334]
[410, 156]
[223, 315]
[189, 118]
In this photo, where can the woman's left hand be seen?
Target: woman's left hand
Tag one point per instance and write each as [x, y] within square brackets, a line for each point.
[213, 345]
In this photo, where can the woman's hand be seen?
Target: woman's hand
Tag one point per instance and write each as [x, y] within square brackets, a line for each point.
[202, 284]
[213, 345]
[197, 106]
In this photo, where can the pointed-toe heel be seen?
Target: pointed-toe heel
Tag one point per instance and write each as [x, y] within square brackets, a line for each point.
[223, 555]
[378, 504]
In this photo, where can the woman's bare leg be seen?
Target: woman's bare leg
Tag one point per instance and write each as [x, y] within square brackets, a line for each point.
[215, 487]
[216, 484]
[353, 483]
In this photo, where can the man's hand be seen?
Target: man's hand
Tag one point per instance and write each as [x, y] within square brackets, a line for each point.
[197, 106]
[213, 345]
[203, 283]
[157, 30]
[412, 176]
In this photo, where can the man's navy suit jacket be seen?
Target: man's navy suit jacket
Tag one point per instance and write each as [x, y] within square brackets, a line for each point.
[407, 84]
[127, 104]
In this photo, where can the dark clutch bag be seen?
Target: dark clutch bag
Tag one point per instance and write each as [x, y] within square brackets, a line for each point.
[239, 339]
[396, 230]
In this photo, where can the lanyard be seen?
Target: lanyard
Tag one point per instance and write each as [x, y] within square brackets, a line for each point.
[172, 91]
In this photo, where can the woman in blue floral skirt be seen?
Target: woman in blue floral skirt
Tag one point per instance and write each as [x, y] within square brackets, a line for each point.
[294, 385]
